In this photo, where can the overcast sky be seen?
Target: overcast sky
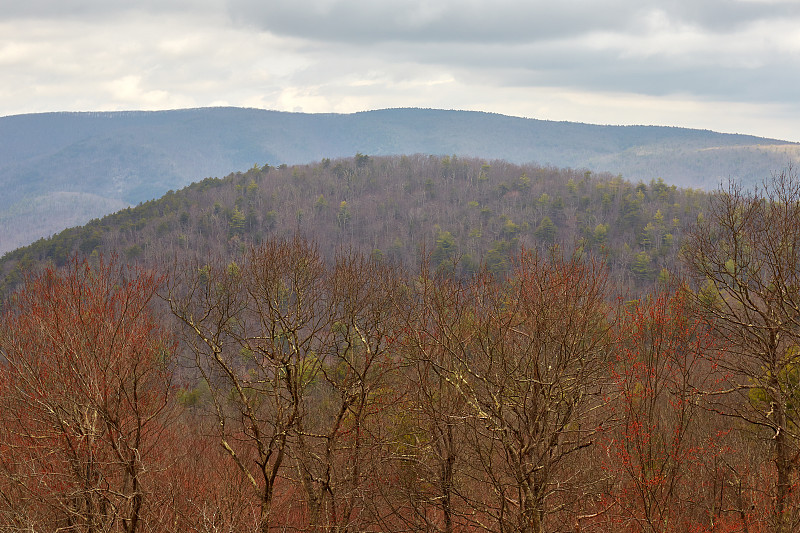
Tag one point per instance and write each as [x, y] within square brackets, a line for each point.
[725, 65]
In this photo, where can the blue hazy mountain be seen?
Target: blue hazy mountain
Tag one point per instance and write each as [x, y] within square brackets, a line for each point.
[62, 169]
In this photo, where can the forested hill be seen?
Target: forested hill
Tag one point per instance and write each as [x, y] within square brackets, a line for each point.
[62, 169]
[462, 212]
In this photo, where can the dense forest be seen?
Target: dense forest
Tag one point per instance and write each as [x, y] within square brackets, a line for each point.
[461, 213]
[409, 344]
[63, 169]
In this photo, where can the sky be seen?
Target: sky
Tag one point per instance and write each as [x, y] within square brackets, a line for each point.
[725, 65]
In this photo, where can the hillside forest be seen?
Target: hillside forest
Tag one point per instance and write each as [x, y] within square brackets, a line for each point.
[63, 169]
[409, 344]
[461, 212]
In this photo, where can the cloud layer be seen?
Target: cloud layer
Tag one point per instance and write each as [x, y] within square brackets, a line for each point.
[729, 65]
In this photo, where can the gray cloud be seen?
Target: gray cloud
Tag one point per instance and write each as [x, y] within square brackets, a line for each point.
[361, 22]
[738, 50]
[367, 21]
[97, 9]
[725, 16]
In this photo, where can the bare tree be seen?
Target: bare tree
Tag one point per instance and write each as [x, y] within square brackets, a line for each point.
[341, 441]
[84, 396]
[431, 458]
[745, 255]
[663, 437]
[256, 331]
[526, 357]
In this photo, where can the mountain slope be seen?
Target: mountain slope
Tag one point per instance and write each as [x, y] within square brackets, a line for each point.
[396, 207]
[124, 158]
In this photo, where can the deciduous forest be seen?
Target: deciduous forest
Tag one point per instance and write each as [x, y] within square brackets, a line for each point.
[409, 344]
[461, 212]
[63, 169]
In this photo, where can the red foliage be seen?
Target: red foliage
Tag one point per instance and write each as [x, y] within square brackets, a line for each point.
[85, 387]
[664, 456]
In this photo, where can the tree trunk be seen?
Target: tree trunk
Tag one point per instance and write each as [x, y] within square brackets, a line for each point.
[783, 467]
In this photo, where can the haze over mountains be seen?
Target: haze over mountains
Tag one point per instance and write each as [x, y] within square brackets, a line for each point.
[62, 169]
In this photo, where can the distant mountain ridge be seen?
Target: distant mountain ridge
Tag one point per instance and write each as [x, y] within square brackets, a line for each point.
[63, 169]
